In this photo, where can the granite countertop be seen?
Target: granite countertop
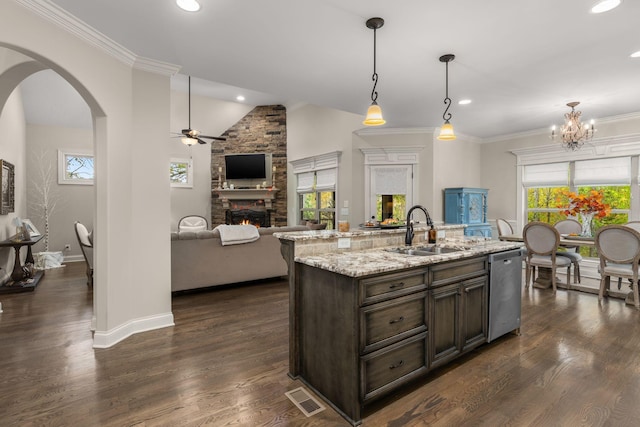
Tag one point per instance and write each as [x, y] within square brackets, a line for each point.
[332, 234]
[373, 261]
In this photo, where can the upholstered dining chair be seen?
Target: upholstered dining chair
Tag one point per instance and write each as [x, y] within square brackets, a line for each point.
[619, 251]
[193, 223]
[571, 226]
[86, 246]
[504, 228]
[541, 240]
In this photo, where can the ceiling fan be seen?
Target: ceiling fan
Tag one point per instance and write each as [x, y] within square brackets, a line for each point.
[191, 136]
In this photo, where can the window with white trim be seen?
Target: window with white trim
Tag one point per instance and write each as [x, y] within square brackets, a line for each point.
[181, 173]
[546, 187]
[75, 167]
[317, 186]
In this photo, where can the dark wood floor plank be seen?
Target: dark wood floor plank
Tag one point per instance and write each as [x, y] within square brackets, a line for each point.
[576, 363]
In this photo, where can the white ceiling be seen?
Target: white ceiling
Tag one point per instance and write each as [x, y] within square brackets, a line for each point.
[519, 61]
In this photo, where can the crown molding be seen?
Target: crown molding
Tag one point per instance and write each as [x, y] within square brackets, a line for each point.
[157, 67]
[545, 132]
[616, 146]
[63, 19]
[393, 131]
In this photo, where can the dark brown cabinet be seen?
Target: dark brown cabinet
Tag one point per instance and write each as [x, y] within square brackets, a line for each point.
[358, 339]
[458, 308]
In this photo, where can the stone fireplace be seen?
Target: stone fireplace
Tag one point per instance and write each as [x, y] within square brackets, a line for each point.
[263, 130]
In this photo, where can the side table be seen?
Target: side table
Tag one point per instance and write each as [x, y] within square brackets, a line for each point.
[20, 283]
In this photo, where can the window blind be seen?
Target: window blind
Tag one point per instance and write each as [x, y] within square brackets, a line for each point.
[610, 171]
[390, 180]
[326, 179]
[546, 175]
[305, 182]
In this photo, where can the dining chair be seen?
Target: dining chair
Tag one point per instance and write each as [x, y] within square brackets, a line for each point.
[619, 251]
[542, 240]
[193, 223]
[504, 228]
[86, 246]
[571, 226]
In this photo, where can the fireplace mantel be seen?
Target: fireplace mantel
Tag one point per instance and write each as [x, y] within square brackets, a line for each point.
[266, 194]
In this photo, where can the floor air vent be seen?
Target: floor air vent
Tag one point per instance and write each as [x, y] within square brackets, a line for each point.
[303, 400]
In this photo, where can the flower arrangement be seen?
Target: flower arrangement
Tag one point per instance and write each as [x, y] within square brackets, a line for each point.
[586, 204]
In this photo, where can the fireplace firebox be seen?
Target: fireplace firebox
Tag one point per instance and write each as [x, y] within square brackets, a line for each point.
[259, 218]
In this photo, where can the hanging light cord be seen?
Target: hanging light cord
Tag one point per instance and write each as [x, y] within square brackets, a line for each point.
[189, 102]
[447, 101]
[374, 78]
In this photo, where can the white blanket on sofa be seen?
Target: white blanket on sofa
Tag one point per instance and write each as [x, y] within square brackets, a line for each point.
[237, 234]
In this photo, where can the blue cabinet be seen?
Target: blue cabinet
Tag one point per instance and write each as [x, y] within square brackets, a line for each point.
[467, 206]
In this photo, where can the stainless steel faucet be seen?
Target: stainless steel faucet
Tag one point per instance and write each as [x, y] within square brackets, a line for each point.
[408, 238]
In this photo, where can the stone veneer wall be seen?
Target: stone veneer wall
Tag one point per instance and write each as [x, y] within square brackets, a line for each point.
[263, 130]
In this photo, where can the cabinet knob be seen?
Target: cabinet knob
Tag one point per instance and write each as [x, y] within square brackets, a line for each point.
[399, 319]
[397, 285]
[397, 365]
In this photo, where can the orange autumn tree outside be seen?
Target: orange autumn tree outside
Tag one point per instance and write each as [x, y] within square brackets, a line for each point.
[585, 204]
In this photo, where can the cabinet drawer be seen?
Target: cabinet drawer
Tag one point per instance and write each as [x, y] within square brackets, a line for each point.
[379, 288]
[392, 321]
[393, 366]
[456, 271]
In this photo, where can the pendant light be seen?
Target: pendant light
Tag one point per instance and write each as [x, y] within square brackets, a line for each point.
[374, 113]
[446, 131]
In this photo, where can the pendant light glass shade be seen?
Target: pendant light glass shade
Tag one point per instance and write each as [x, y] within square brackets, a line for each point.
[374, 116]
[446, 132]
[374, 113]
[188, 141]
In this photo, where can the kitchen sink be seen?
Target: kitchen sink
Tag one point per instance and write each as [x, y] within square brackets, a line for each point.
[423, 250]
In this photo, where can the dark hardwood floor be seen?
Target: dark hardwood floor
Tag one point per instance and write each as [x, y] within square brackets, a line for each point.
[576, 363]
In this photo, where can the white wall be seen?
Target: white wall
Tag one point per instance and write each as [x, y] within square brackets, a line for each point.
[12, 149]
[498, 164]
[74, 202]
[129, 101]
[211, 117]
[313, 130]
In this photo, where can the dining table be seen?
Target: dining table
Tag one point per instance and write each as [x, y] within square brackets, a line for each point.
[543, 280]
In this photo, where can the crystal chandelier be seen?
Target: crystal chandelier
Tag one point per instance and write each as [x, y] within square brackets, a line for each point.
[574, 133]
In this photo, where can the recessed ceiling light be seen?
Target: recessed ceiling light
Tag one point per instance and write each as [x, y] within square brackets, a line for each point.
[188, 5]
[635, 54]
[239, 98]
[605, 6]
[464, 102]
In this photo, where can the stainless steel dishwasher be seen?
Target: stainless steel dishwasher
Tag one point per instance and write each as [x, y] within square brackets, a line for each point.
[505, 292]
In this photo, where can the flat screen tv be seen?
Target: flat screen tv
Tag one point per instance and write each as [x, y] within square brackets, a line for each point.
[248, 169]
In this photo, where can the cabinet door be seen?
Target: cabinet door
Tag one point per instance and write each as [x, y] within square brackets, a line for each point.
[444, 324]
[474, 312]
[475, 208]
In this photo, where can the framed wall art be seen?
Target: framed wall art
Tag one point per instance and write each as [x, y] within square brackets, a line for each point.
[7, 188]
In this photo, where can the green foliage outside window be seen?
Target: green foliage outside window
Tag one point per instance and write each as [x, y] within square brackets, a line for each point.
[318, 206]
[543, 205]
[399, 207]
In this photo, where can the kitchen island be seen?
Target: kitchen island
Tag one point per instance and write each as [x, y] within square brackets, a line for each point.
[366, 322]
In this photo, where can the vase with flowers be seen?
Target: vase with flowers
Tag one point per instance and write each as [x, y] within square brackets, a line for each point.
[587, 207]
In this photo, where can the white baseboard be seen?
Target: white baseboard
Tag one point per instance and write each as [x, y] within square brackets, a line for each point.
[114, 336]
[73, 258]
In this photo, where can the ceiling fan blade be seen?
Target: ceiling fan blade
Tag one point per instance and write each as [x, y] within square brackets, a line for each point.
[201, 141]
[217, 138]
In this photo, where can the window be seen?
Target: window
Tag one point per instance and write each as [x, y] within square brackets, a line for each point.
[181, 173]
[546, 186]
[317, 197]
[317, 183]
[75, 168]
